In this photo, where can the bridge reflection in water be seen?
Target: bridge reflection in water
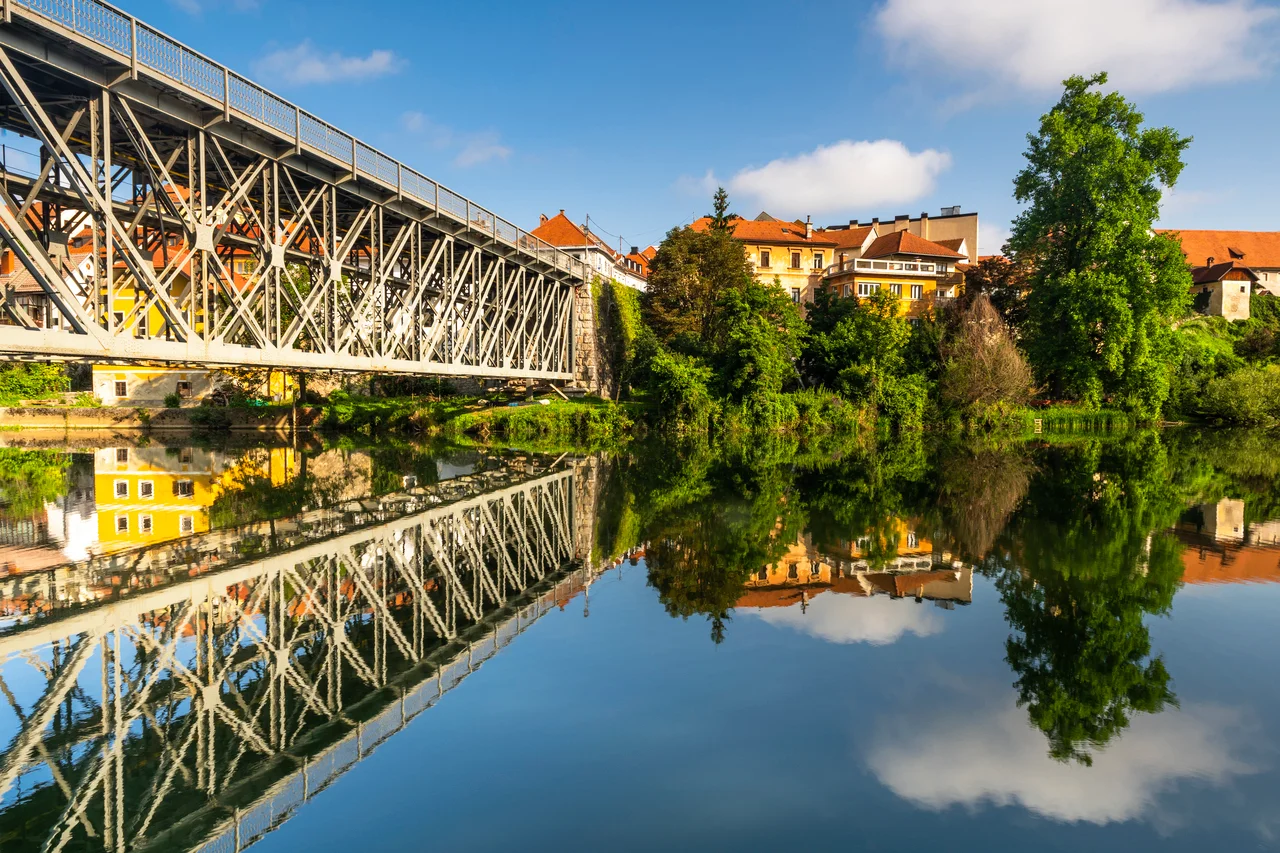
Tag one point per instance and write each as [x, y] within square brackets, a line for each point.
[201, 712]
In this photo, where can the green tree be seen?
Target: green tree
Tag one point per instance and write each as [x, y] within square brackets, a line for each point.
[687, 277]
[1089, 560]
[720, 216]
[1104, 288]
[29, 479]
[758, 339]
[857, 348]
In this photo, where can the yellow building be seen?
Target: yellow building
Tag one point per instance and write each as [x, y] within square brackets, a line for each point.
[791, 253]
[147, 495]
[152, 494]
[921, 273]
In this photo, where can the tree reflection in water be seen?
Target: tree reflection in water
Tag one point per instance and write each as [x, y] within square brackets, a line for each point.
[1074, 536]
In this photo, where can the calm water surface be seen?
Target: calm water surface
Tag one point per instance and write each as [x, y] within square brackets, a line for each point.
[1062, 645]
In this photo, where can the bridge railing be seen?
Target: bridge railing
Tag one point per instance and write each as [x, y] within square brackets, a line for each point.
[138, 46]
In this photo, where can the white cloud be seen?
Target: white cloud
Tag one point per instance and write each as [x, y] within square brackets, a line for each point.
[993, 756]
[481, 148]
[1144, 45]
[842, 176]
[878, 620]
[472, 149]
[702, 187]
[306, 64]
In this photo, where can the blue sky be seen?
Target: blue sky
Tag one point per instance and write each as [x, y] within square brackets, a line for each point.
[630, 112]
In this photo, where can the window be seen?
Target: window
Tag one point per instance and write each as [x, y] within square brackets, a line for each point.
[895, 289]
[866, 288]
[144, 524]
[1243, 288]
[122, 455]
[186, 524]
[184, 455]
[184, 489]
[917, 291]
[817, 260]
[122, 524]
[142, 325]
[122, 488]
[795, 260]
[846, 291]
[795, 295]
[117, 318]
[122, 388]
[146, 489]
[793, 573]
[762, 575]
[764, 258]
[244, 266]
[184, 388]
[912, 540]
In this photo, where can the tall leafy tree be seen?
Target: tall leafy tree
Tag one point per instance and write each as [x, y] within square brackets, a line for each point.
[690, 272]
[758, 338]
[1104, 287]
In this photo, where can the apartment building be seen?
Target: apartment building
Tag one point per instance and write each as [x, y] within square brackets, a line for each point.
[795, 255]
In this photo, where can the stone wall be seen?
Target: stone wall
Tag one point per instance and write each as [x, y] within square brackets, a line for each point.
[592, 368]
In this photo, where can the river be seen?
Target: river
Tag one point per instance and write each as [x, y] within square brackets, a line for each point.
[1068, 643]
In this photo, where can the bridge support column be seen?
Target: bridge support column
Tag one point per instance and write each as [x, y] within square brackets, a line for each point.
[592, 369]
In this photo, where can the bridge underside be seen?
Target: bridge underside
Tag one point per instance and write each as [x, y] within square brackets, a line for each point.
[163, 225]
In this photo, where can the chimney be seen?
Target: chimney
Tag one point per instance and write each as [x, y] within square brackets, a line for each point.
[1209, 262]
[853, 223]
[924, 224]
[808, 227]
[635, 250]
[875, 220]
[542, 219]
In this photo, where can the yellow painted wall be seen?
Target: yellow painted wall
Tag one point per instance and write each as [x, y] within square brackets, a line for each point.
[847, 285]
[804, 279]
[166, 509]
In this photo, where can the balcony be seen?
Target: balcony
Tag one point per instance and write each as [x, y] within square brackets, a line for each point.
[886, 266]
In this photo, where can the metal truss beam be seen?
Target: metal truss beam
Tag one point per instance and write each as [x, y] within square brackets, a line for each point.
[209, 231]
[269, 679]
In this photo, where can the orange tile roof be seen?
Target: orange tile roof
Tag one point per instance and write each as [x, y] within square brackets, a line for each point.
[848, 238]
[906, 243]
[559, 230]
[639, 259]
[1254, 248]
[775, 232]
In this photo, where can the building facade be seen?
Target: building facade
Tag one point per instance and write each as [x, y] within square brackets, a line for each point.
[1257, 250]
[921, 273]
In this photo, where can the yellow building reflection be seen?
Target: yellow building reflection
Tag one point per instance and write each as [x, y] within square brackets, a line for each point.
[895, 562]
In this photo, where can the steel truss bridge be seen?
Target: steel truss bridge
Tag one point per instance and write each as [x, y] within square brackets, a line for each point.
[240, 230]
[198, 713]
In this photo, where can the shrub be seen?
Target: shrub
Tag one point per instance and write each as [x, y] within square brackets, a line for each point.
[20, 382]
[984, 367]
[172, 401]
[1249, 397]
[679, 388]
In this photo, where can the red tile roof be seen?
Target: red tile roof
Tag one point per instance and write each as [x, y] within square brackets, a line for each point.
[906, 243]
[1254, 248]
[769, 233]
